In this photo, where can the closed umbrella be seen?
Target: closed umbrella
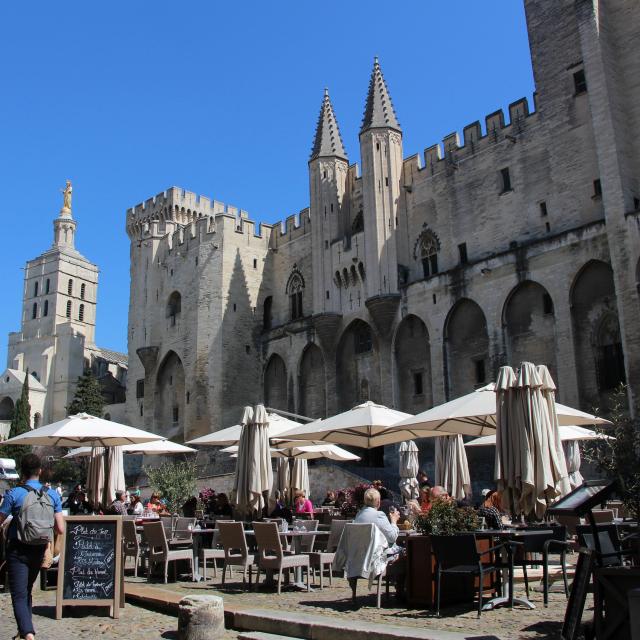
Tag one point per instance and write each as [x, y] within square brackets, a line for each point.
[115, 475]
[96, 476]
[300, 477]
[409, 465]
[452, 468]
[529, 459]
[253, 475]
[281, 477]
[572, 456]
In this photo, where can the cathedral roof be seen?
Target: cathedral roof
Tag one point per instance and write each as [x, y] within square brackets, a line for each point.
[328, 141]
[378, 110]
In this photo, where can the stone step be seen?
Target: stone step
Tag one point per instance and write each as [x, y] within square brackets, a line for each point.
[261, 635]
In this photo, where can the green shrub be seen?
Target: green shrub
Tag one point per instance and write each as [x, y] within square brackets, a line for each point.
[175, 482]
[446, 519]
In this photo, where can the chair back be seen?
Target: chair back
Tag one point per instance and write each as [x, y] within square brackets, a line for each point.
[268, 540]
[361, 550]
[535, 544]
[306, 544]
[337, 527]
[167, 523]
[232, 539]
[182, 532]
[129, 536]
[456, 550]
[604, 516]
[156, 539]
[608, 539]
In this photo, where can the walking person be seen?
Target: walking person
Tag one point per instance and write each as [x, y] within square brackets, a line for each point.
[35, 513]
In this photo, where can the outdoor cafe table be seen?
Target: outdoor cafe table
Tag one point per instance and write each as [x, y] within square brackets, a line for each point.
[510, 535]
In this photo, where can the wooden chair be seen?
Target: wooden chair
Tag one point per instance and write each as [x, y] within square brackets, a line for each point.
[159, 551]
[324, 559]
[131, 543]
[271, 555]
[235, 550]
[459, 555]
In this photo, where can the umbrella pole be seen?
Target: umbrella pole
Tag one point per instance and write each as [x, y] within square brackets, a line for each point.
[105, 489]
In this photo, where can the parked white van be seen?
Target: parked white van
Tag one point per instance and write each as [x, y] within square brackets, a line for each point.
[8, 473]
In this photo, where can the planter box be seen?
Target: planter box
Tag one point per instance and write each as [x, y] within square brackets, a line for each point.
[421, 574]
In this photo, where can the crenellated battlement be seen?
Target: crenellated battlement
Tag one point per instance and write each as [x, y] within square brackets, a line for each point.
[452, 150]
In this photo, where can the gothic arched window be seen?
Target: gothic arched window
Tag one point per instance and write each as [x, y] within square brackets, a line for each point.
[70, 287]
[81, 313]
[45, 309]
[295, 288]
[174, 306]
[428, 248]
[83, 288]
[68, 308]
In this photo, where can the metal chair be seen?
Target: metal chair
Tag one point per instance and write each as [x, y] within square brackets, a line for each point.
[612, 553]
[324, 559]
[459, 555]
[159, 551]
[555, 542]
[236, 552]
[271, 555]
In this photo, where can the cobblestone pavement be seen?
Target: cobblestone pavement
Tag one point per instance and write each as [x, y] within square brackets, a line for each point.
[135, 623]
[539, 623]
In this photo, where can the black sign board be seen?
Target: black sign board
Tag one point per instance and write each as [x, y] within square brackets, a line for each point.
[575, 605]
[90, 568]
[583, 498]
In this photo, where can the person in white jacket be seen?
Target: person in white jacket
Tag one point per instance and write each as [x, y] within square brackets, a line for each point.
[370, 514]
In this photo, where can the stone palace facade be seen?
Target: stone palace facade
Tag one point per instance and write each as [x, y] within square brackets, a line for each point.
[410, 280]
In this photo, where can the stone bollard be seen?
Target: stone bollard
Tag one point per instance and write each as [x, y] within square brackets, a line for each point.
[201, 618]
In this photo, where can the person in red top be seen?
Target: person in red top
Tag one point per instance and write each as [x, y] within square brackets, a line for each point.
[302, 504]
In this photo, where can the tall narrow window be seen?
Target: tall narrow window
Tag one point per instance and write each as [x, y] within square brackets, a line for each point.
[45, 309]
[70, 287]
[176, 414]
[35, 288]
[174, 307]
[597, 188]
[363, 338]
[267, 318]
[47, 286]
[81, 313]
[506, 179]
[83, 288]
[547, 305]
[462, 250]
[429, 254]
[68, 308]
[579, 82]
[543, 209]
[295, 288]
[481, 374]
[34, 311]
[418, 388]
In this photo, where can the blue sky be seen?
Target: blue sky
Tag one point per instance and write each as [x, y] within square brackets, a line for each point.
[129, 98]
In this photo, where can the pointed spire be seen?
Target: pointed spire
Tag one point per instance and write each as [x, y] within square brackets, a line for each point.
[328, 141]
[378, 110]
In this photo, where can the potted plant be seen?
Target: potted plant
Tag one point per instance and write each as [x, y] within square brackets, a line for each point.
[445, 518]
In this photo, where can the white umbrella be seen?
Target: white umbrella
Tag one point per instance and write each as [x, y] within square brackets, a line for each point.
[308, 452]
[231, 435]
[158, 448]
[115, 477]
[300, 477]
[254, 475]
[366, 425]
[409, 465]
[452, 468]
[567, 433]
[83, 429]
[474, 414]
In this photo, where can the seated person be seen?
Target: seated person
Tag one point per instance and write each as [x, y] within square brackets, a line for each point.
[439, 493]
[118, 507]
[423, 479]
[189, 507]
[302, 504]
[156, 505]
[79, 505]
[340, 499]
[424, 499]
[222, 506]
[490, 512]
[330, 500]
[386, 500]
[370, 514]
[136, 508]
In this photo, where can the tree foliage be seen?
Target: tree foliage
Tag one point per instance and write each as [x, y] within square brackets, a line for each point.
[445, 518]
[618, 458]
[175, 482]
[20, 423]
[88, 396]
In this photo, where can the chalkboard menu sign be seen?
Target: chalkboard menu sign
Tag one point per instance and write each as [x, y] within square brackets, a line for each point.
[575, 606]
[90, 567]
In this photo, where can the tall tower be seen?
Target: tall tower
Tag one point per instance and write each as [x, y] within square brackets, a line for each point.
[327, 179]
[381, 153]
[58, 315]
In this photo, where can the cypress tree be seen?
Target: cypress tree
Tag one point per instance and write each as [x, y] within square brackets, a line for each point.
[20, 423]
[88, 396]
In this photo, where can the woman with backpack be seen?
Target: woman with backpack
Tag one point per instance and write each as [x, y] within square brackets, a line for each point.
[36, 513]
